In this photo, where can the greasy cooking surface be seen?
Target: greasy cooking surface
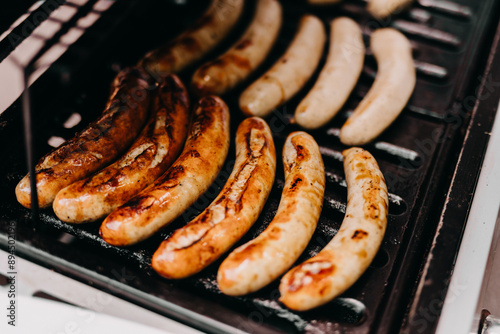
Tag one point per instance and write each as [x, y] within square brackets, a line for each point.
[410, 154]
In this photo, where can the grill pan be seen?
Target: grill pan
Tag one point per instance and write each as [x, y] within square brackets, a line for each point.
[416, 155]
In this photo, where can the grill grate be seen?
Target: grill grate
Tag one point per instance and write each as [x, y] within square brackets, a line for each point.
[446, 38]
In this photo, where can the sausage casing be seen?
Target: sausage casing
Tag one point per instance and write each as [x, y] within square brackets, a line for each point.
[190, 175]
[290, 73]
[235, 65]
[197, 41]
[231, 214]
[390, 92]
[98, 144]
[151, 154]
[383, 8]
[260, 261]
[344, 259]
[338, 77]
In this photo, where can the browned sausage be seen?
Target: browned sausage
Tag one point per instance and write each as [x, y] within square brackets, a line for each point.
[235, 65]
[260, 261]
[96, 146]
[231, 214]
[190, 175]
[197, 41]
[151, 154]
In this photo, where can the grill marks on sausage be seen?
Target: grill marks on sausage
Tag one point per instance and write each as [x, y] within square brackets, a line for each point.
[170, 178]
[133, 157]
[203, 120]
[359, 235]
[195, 232]
[295, 182]
[371, 188]
[193, 154]
[136, 206]
[256, 142]
[187, 238]
[309, 272]
[302, 155]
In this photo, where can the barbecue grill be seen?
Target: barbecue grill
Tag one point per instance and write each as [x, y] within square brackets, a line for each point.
[68, 52]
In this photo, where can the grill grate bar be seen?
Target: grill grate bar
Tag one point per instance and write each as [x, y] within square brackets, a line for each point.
[447, 7]
[382, 146]
[21, 19]
[19, 33]
[428, 33]
[420, 15]
[339, 180]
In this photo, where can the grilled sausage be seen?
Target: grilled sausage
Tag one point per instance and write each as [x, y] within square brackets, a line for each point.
[224, 73]
[191, 174]
[390, 92]
[289, 74]
[231, 214]
[337, 78]
[383, 8]
[345, 258]
[96, 146]
[151, 154]
[259, 262]
[196, 42]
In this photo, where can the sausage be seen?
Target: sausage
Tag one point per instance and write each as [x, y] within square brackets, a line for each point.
[98, 144]
[235, 65]
[231, 214]
[383, 8]
[289, 74]
[151, 154]
[197, 41]
[337, 78]
[260, 261]
[189, 176]
[344, 259]
[390, 92]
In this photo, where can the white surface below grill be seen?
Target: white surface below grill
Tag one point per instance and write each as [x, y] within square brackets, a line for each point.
[97, 311]
[477, 269]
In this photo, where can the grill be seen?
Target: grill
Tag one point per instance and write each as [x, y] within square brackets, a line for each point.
[418, 155]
